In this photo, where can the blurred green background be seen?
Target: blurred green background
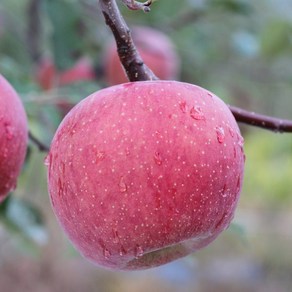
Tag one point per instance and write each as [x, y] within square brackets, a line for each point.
[239, 49]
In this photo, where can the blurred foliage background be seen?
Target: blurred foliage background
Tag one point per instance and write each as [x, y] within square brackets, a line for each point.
[239, 49]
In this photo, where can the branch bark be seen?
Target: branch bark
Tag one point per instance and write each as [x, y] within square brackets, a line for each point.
[131, 60]
[261, 121]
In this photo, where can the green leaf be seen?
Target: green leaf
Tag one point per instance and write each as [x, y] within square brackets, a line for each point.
[66, 31]
[276, 38]
[24, 220]
[235, 6]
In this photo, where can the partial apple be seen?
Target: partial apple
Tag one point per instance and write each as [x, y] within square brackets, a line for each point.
[48, 77]
[13, 137]
[143, 173]
[156, 49]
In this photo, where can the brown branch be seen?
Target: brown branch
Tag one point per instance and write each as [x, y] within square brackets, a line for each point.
[131, 60]
[262, 121]
[41, 146]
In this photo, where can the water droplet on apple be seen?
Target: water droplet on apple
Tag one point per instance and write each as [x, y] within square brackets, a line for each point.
[106, 253]
[11, 187]
[231, 131]
[9, 131]
[220, 134]
[139, 251]
[238, 185]
[5, 153]
[122, 251]
[157, 201]
[127, 151]
[210, 94]
[47, 160]
[157, 158]
[224, 191]
[196, 113]
[122, 185]
[240, 141]
[183, 106]
[100, 155]
[116, 238]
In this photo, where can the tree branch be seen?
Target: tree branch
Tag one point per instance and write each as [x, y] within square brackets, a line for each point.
[137, 71]
[131, 60]
[261, 121]
[41, 146]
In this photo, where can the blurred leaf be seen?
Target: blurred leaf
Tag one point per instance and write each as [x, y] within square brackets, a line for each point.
[66, 31]
[276, 38]
[239, 230]
[23, 219]
[245, 43]
[268, 170]
[235, 6]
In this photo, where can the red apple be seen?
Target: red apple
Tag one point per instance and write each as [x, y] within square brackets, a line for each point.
[143, 173]
[83, 70]
[48, 77]
[156, 50]
[13, 137]
[46, 74]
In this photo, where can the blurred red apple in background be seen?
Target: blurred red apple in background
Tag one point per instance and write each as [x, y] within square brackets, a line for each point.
[13, 137]
[46, 74]
[156, 50]
[48, 77]
[143, 173]
[83, 70]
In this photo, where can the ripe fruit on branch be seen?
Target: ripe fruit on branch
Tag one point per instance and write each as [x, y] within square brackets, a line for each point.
[143, 173]
[13, 137]
[156, 50]
[48, 77]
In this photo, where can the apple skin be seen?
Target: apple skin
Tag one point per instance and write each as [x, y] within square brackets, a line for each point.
[143, 173]
[48, 77]
[156, 50]
[13, 137]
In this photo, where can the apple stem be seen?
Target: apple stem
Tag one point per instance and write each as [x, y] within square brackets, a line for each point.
[131, 60]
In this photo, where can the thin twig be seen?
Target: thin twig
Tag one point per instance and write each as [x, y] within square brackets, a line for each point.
[41, 146]
[262, 121]
[131, 60]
